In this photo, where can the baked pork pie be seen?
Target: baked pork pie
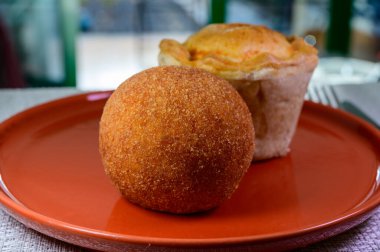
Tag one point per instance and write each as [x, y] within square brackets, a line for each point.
[270, 71]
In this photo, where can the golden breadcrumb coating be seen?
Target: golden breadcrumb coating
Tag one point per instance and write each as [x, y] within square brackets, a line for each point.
[176, 139]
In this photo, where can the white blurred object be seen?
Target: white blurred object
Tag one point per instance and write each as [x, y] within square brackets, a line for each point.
[339, 70]
[104, 61]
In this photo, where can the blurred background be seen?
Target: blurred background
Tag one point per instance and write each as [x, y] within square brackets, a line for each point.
[97, 44]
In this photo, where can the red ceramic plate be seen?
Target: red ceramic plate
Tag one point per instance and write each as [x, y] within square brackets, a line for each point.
[53, 182]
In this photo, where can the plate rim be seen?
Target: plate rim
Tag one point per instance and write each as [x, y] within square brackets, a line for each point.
[365, 208]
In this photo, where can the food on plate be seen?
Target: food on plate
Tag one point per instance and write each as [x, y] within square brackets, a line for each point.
[176, 139]
[270, 71]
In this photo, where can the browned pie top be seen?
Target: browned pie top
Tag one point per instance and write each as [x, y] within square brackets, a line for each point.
[235, 51]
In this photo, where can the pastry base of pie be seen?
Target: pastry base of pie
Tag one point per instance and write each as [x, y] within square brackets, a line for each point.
[275, 103]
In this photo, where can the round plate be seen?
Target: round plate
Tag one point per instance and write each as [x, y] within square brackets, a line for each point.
[53, 182]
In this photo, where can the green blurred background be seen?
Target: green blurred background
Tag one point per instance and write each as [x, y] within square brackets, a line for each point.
[96, 44]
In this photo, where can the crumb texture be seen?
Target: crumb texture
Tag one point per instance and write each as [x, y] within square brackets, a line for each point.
[176, 139]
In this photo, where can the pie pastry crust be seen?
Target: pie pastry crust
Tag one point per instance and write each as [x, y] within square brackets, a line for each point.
[270, 71]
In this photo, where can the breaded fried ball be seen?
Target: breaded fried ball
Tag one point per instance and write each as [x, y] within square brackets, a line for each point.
[176, 139]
